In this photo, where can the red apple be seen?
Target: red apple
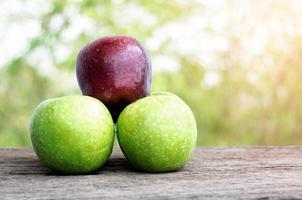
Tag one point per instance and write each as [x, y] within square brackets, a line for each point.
[116, 70]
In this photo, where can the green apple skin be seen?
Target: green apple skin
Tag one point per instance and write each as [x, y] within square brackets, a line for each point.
[72, 134]
[157, 133]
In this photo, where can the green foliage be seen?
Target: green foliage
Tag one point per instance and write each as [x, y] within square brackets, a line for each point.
[256, 99]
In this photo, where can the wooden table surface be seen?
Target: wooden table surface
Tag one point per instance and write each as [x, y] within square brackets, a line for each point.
[212, 173]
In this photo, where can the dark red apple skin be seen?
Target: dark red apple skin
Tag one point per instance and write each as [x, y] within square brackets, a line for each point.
[116, 70]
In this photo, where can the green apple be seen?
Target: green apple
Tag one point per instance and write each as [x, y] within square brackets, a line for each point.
[157, 133]
[72, 134]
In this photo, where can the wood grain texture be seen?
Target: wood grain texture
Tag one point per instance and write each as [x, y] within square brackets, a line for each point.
[212, 173]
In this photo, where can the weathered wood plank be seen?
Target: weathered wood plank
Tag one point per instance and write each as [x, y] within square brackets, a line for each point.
[212, 173]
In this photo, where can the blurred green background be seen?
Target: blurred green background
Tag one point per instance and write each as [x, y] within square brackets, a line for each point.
[238, 64]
